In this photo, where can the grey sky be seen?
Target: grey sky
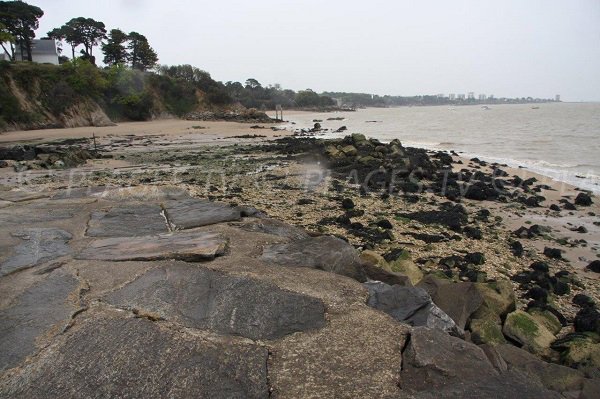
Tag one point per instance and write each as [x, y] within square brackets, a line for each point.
[503, 47]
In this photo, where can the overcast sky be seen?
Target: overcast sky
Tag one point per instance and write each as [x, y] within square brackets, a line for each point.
[510, 48]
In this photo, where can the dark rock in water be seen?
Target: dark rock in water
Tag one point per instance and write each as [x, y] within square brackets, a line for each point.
[33, 314]
[126, 221]
[555, 208]
[540, 267]
[325, 253]
[103, 358]
[39, 245]
[191, 213]
[483, 214]
[192, 246]
[305, 201]
[517, 248]
[453, 216]
[537, 230]
[537, 294]
[583, 199]
[430, 238]
[385, 224]
[553, 253]
[347, 203]
[473, 232]
[587, 319]
[476, 258]
[409, 305]
[583, 301]
[594, 266]
[206, 299]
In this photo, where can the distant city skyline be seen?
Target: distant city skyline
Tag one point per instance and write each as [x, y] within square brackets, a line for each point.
[537, 48]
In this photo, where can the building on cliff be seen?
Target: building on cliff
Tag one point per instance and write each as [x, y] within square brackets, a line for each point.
[42, 52]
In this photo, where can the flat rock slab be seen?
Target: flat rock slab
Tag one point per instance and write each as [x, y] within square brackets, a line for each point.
[191, 213]
[409, 305]
[127, 221]
[32, 315]
[137, 358]
[80, 192]
[38, 245]
[188, 246]
[275, 227]
[20, 214]
[206, 299]
[20, 195]
[325, 253]
[458, 300]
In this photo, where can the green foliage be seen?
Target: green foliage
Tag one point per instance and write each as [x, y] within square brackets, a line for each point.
[115, 51]
[141, 55]
[309, 98]
[20, 20]
[81, 31]
[214, 92]
[179, 97]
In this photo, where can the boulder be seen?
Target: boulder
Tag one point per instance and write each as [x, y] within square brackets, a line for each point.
[486, 331]
[547, 318]
[326, 253]
[407, 267]
[587, 320]
[582, 352]
[553, 253]
[528, 332]
[458, 300]
[409, 305]
[553, 376]
[594, 266]
[374, 258]
[376, 273]
[498, 299]
[583, 199]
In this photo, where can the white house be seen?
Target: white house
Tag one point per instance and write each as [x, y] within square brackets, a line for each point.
[42, 52]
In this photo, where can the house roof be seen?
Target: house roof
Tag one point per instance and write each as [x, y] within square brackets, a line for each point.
[44, 47]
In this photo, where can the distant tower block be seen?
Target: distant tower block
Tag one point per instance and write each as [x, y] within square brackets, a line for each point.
[461, 96]
[452, 96]
[471, 95]
[557, 98]
[482, 97]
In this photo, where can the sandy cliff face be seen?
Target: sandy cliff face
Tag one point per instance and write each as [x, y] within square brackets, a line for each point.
[83, 112]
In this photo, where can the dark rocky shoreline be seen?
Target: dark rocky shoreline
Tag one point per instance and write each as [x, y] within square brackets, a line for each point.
[234, 289]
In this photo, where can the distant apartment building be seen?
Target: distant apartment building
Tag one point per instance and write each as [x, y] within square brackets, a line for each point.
[482, 97]
[557, 97]
[452, 96]
[42, 52]
[461, 96]
[471, 95]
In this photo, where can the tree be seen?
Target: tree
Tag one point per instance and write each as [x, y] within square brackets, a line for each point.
[20, 20]
[6, 37]
[58, 36]
[81, 31]
[115, 51]
[252, 83]
[141, 55]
